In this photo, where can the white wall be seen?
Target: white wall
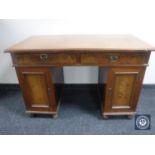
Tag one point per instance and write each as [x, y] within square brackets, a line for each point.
[103, 18]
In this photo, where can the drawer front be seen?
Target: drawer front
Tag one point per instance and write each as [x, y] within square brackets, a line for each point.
[114, 58]
[44, 59]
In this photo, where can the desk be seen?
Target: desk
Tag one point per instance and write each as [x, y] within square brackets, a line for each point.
[39, 60]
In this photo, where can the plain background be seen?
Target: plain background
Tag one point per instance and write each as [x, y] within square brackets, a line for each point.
[101, 20]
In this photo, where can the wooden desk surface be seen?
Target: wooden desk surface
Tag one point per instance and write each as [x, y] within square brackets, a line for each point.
[76, 43]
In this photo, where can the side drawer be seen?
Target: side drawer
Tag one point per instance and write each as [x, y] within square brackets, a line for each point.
[114, 58]
[43, 59]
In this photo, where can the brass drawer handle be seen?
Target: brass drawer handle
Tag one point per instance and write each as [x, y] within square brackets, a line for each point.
[114, 58]
[43, 56]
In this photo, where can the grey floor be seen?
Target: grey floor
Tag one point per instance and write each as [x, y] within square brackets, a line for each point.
[79, 114]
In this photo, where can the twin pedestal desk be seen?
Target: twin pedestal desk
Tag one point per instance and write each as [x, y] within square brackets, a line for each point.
[122, 61]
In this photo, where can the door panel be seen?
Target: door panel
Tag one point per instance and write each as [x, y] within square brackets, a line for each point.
[37, 88]
[123, 88]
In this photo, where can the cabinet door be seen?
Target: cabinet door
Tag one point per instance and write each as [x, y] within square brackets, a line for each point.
[37, 88]
[123, 89]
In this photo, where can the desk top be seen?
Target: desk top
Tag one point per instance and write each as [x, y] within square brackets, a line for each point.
[90, 43]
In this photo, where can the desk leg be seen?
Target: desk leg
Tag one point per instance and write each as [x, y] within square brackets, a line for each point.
[105, 117]
[130, 116]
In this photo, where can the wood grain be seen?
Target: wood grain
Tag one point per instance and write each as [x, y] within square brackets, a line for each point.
[123, 88]
[52, 59]
[36, 83]
[39, 61]
[37, 88]
[122, 58]
[76, 43]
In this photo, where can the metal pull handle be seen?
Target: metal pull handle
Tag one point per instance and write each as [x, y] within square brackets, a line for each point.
[109, 91]
[49, 91]
[113, 58]
[44, 56]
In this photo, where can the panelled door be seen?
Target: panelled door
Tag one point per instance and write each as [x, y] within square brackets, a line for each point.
[37, 88]
[123, 88]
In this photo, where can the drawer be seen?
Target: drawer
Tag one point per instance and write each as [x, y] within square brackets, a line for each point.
[44, 59]
[114, 58]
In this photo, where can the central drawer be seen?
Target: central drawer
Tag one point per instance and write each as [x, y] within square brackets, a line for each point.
[44, 59]
[114, 58]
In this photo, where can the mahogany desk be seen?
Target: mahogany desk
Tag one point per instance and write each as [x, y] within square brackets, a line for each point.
[121, 58]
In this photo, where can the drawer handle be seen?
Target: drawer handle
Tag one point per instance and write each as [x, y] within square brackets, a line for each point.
[43, 56]
[113, 58]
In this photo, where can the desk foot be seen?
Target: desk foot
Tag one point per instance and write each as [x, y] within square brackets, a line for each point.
[55, 116]
[105, 117]
[31, 115]
[130, 116]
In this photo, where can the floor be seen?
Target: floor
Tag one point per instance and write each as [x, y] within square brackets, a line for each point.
[79, 114]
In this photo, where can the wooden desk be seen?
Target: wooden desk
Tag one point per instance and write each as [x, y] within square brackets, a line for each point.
[39, 60]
